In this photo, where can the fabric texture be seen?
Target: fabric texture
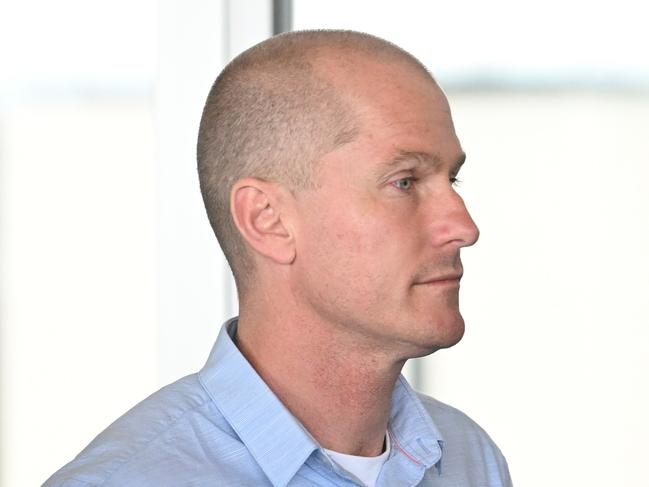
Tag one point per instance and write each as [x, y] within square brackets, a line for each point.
[224, 427]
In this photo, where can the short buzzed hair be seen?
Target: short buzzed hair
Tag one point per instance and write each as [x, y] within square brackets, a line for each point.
[271, 115]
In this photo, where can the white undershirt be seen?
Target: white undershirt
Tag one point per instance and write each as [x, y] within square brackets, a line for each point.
[365, 469]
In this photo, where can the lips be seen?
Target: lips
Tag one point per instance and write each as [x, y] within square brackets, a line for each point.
[446, 279]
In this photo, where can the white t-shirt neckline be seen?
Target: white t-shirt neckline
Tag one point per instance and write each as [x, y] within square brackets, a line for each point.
[365, 469]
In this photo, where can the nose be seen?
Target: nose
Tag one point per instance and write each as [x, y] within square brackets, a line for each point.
[452, 222]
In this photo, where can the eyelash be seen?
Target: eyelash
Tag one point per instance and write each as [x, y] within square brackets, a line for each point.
[454, 182]
[411, 179]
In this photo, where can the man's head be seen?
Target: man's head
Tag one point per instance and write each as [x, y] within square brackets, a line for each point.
[272, 114]
[326, 160]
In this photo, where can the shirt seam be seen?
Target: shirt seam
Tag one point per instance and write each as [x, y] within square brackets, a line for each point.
[398, 445]
[148, 443]
[414, 397]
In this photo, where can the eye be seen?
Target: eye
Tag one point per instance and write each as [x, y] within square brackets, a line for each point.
[404, 184]
[455, 182]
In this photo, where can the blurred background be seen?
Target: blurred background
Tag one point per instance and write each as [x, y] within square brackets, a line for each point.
[112, 284]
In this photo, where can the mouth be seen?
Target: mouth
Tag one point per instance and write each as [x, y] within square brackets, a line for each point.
[447, 280]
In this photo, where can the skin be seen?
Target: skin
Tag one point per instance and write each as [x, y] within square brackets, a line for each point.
[348, 272]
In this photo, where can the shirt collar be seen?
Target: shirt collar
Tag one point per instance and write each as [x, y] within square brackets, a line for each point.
[413, 432]
[275, 438]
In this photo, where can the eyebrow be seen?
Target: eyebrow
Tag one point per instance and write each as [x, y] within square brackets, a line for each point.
[420, 158]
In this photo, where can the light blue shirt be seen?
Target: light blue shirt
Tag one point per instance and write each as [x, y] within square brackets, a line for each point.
[224, 427]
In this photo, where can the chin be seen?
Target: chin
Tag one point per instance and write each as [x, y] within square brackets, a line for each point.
[454, 336]
[441, 334]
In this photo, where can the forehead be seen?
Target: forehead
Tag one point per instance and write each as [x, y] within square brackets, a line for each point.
[414, 159]
[400, 115]
[406, 119]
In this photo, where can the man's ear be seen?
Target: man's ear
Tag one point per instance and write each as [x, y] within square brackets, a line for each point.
[256, 208]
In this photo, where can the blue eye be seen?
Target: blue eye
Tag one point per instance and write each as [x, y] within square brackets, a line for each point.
[404, 184]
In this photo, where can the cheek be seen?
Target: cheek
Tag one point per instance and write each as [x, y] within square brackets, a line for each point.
[362, 238]
[361, 244]
[338, 246]
[353, 234]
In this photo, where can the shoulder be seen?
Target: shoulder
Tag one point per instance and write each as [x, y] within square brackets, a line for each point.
[453, 422]
[141, 437]
[467, 445]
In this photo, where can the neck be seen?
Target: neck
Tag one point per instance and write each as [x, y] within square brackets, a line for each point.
[337, 387]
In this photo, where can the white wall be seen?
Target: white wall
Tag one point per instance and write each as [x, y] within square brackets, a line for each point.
[195, 288]
[192, 285]
[78, 276]
[77, 225]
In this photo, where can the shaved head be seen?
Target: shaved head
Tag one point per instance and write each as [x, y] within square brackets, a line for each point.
[273, 113]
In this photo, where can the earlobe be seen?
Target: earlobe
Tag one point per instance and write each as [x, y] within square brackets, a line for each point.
[256, 211]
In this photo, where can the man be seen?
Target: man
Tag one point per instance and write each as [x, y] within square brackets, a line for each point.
[327, 161]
